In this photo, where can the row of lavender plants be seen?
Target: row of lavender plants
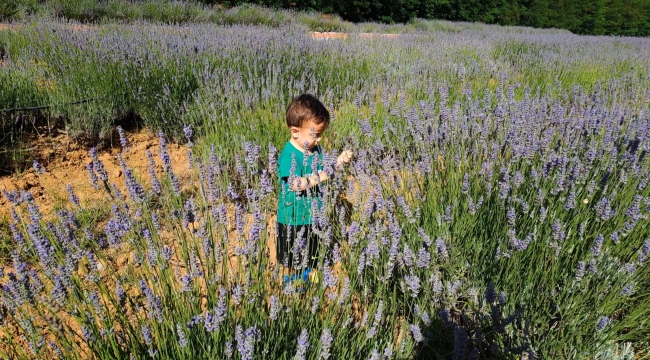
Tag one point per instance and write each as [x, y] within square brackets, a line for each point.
[177, 12]
[462, 231]
[90, 78]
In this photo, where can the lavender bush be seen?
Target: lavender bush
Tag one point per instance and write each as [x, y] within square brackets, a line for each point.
[497, 206]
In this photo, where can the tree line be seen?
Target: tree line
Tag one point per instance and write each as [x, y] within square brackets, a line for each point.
[593, 17]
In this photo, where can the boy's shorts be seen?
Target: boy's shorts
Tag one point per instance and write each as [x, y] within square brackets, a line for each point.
[307, 240]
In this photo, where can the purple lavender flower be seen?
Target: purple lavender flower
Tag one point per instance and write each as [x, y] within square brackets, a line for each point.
[405, 208]
[303, 343]
[442, 249]
[120, 294]
[542, 214]
[154, 304]
[56, 350]
[272, 159]
[436, 283]
[150, 159]
[190, 160]
[155, 184]
[246, 341]
[425, 238]
[329, 279]
[13, 197]
[174, 181]
[345, 292]
[274, 307]
[627, 290]
[182, 339]
[164, 154]
[466, 184]
[60, 290]
[415, 331]
[188, 214]
[43, 247]
[512, 216]
[73, 198]
[146, 335]
[252, 153]
[448, 217]
[326, 341]
[38, 169]
[123, 141]
[229, 350]
[221, 310]
[18, 237]
[87, 334]
[315, 301]
[556, 230]
[265, 183]
[604, 209]
[580, 272]
[211, 322]
[413, 284]
[186, 283]
[136, 191]
[375, 355]
[570, 201]
[98, 166]
[591, 268]
[644, 252]
[598, 245]
[602, 322]
[471, 207]
[361, 262]
[187, 131]
[96, 302]
[93, 177]
[166, 253]
[408, 257]
[423, 258]
[634, 211]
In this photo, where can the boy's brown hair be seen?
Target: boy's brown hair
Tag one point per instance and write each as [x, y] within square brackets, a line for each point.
[304, 108]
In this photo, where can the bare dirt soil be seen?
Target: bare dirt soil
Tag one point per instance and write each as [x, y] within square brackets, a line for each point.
[65, 163]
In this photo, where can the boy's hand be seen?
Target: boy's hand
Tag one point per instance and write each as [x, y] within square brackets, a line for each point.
[344, 158]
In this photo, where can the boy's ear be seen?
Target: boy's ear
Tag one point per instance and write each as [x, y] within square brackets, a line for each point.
[295, 131]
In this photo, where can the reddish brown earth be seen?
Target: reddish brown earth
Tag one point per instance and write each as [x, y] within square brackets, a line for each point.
[65, 163]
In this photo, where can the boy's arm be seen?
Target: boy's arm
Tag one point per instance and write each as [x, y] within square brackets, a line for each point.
[308, 182]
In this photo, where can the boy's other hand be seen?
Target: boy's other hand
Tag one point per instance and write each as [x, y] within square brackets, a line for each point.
[345, 157]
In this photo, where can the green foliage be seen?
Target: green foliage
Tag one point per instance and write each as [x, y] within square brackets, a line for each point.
[594, 17]
[8, 10]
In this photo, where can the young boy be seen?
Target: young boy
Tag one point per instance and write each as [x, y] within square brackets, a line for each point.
[300, 171]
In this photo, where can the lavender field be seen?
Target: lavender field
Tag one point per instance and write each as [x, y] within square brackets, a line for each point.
[497, 206]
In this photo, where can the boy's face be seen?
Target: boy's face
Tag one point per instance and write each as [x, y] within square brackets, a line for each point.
[308, 135]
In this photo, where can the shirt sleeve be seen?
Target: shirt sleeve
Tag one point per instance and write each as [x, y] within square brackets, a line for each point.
[284, 165]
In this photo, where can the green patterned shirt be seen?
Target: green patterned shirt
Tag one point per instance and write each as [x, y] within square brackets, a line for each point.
[295, 207]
